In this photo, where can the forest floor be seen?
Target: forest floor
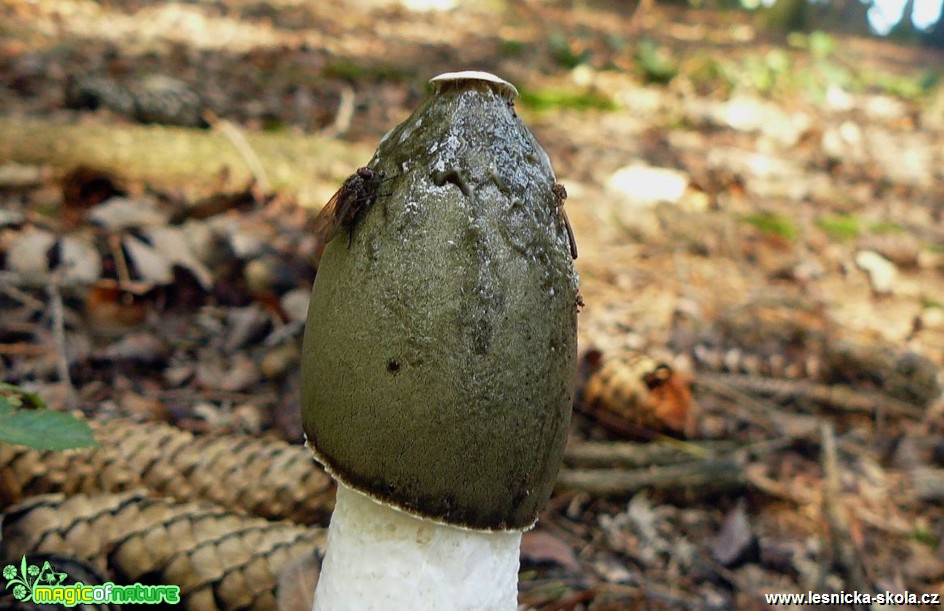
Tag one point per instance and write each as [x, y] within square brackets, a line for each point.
[762, 213]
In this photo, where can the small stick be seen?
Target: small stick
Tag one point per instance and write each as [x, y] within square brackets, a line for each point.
[59, 334]
[928, 484]
[242, 146]
[839, 537]
[22, 349]
[22, 296]
[121, 262]
[748, 408]
[836, 396]
[345, 115]
[706, 476]
[777, 489]
[629, 454]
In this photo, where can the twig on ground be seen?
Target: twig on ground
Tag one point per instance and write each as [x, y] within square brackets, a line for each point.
[835, 396]
[121, 262]
[17, 295]
[630, 454]
[22, 349]
[637, 22]
[345, 115]
[59, 333]
[838, 536]
[761, 482]
[928, 484]
[745, 406]
[703, 476]
[242, 146]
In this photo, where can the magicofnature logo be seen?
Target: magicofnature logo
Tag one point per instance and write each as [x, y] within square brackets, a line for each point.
[29, 576]
[30, 583]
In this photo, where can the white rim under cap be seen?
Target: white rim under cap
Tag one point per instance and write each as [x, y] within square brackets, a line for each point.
[507, 88]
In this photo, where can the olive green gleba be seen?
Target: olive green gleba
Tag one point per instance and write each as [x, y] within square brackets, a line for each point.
[440, 352]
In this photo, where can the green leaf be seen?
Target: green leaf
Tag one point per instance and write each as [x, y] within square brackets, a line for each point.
[656, 62]
[44, 429]
[772, 224]
[547, 99]
[16, 396]
[840, 227]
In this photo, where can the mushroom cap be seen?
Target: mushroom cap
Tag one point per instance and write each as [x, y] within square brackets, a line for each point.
[440, 351]
[463, 79]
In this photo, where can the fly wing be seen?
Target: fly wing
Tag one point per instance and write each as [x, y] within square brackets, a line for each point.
[326, 224]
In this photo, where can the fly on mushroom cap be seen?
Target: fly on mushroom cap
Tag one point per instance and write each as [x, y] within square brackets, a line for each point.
[440, 351]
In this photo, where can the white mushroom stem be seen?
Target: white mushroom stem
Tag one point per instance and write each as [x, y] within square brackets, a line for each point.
[382, 558]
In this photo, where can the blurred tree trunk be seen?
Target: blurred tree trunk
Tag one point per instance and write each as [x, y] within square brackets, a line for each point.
[934, 37]
[786, 16]
[187, 160]
[846, 16]
[840, 16]
[905, 30]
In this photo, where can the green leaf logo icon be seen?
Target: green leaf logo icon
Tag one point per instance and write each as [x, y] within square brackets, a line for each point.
[24, 581]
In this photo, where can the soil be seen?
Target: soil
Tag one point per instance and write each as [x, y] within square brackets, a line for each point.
[761, 214]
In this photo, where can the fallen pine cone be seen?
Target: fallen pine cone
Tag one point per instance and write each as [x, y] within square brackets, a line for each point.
[219, 560]
[264, 477]
[634, 395]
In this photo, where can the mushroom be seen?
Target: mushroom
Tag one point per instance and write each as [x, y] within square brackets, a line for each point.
[440, 355]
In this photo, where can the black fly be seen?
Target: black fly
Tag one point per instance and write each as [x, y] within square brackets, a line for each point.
[347, 205]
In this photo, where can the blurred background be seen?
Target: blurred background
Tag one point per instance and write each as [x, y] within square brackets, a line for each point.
[757, 193]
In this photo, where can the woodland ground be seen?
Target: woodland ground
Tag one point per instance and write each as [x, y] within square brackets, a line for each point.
[778, 237]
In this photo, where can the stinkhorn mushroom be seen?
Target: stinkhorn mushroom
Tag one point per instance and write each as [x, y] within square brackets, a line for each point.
[440, 355]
